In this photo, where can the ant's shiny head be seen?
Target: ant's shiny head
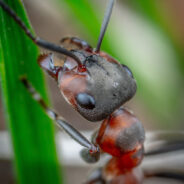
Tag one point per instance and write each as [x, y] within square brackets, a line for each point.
[95, 88]
[95, 84]
[99, 89]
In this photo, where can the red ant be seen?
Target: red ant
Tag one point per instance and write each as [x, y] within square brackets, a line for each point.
[96, 85]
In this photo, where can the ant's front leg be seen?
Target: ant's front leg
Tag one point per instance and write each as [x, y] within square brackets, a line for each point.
[86, 155]
[73, 43]
[69, 129]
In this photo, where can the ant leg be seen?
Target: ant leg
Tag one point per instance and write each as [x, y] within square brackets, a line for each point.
[76, 135]
[166, 147]
[164, 142]
[86, 155]
[166, 175]
[38, 41]
[73, 43]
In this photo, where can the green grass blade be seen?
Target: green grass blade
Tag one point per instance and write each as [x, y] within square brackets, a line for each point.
[31, 130]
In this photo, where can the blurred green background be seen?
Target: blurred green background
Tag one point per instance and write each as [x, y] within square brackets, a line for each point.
[145, 35]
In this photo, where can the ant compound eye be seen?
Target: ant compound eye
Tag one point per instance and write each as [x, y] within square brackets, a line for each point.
[128, 71]
[86, 101]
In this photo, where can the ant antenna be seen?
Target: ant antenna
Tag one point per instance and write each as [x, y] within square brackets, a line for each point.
[104, 24]
[37, 40]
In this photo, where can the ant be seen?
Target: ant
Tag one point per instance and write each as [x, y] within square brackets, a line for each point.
[97, 86]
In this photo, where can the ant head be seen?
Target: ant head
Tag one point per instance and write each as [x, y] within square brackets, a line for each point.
[97, 84]
[98, 90]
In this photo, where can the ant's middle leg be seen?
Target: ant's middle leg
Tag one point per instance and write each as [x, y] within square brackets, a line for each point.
[69, 129]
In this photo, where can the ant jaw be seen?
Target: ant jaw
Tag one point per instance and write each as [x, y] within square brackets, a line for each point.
[46, 62]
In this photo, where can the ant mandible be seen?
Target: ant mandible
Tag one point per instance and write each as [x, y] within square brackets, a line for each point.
[96, 85]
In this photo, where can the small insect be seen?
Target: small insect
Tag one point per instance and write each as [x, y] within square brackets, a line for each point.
[97, 86]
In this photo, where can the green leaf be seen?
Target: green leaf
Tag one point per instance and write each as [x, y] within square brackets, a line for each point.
[32, 132]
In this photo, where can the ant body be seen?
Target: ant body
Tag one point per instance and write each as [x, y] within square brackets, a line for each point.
[96, 85]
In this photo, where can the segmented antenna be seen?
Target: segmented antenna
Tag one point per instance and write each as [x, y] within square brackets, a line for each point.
[38, 41]
[104, 24]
